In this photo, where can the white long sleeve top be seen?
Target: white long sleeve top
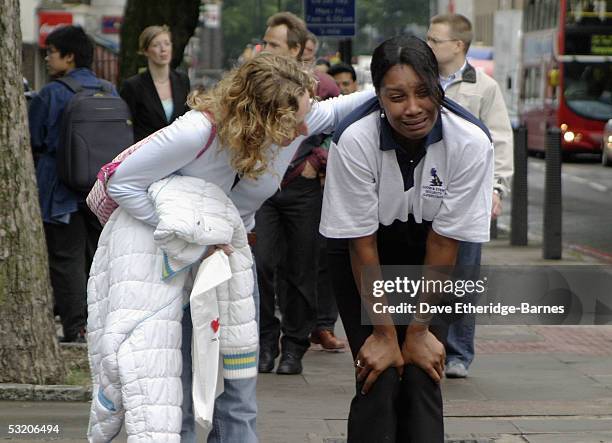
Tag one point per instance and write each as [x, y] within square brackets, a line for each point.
[173, 150]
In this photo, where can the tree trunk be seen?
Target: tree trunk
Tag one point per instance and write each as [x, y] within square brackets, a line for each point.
[180, 15]
[29, 352]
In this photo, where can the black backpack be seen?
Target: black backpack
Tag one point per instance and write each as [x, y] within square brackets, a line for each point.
[96, 126]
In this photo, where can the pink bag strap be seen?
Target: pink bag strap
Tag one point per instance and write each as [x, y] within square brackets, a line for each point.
[213, 133]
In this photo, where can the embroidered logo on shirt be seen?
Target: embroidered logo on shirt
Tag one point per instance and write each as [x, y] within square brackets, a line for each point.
[435, 188]
[435, 180]
[215, 325]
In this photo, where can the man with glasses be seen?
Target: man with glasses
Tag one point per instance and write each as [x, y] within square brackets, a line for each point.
[450, 36]
[71, 229]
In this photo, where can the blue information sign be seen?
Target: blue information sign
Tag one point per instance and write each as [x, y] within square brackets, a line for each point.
[330, 17]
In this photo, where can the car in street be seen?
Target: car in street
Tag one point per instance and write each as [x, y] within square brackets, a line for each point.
[606, 145]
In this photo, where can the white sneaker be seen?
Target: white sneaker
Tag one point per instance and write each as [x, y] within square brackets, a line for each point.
[456, 370]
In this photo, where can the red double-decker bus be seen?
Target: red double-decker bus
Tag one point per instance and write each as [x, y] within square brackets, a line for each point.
[566, 72]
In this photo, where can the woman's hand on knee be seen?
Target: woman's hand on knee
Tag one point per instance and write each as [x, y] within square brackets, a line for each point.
[379, 352]
[423, 349]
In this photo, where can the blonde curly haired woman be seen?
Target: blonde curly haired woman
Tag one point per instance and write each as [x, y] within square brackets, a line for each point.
[262, 111]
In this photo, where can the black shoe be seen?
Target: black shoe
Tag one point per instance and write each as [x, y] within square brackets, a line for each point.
[79, 337]
[289, 364]
[266, 360]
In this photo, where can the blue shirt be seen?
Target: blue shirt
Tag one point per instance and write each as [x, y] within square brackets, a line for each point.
[57, 201]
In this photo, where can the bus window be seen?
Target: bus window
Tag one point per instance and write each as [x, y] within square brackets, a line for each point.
[552, 85]
[555, 14]
[533, 85]
[588, 89]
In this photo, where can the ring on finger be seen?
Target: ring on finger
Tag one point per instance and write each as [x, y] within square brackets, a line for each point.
[358, 364]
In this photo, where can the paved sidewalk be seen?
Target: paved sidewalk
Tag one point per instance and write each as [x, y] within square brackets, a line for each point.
[527, 384]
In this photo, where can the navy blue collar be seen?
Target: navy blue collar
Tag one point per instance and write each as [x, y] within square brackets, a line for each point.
[387, 142]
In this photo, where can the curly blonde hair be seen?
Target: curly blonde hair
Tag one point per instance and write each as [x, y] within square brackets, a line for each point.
[254, 106]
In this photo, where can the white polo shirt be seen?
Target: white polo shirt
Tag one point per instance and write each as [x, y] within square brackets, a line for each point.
[370, 179]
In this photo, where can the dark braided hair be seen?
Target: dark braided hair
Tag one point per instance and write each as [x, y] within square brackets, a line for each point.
[411, 51]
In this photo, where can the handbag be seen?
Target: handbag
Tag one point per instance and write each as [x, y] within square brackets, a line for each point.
[98, 200]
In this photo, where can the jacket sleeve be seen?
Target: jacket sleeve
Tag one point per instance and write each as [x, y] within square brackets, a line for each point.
[128, 95]
[161, 154]
[495, 116]
[187, 86]
[37, 119]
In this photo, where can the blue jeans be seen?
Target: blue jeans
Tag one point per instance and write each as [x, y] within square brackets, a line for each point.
[235, 409]
[460, 339]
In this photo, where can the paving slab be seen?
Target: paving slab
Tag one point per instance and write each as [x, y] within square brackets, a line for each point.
[461, 389]
[605, 380]
[291, 430]
[593, 367]
[605, 437]
[563, 424]
[337, 427]
[517, 408]
[71, 417]
[478, 426]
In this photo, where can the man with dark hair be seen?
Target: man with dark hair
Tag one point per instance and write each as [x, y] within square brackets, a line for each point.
[345, 77]
[290, 218]
[71, 40]
[322, 65]
[449, 37]
[71, 230]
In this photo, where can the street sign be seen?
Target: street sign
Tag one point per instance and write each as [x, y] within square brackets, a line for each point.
[330, 17]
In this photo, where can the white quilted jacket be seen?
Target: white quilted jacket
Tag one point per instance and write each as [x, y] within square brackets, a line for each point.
[134, 321]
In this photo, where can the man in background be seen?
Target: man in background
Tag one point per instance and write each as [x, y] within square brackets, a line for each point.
[310, 49]
[450, 36]
[287, 228]
[345, 77]
[71, 229]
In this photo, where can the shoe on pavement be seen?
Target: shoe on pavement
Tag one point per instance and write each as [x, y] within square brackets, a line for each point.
[456, 370]
[327, 340]
[266, 360]
[79, 337]
[290, 364]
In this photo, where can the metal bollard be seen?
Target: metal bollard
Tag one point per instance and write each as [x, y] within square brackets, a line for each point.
[518, 214]
[553, 208]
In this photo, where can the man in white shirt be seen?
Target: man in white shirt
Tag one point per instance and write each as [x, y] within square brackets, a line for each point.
[450, 36]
